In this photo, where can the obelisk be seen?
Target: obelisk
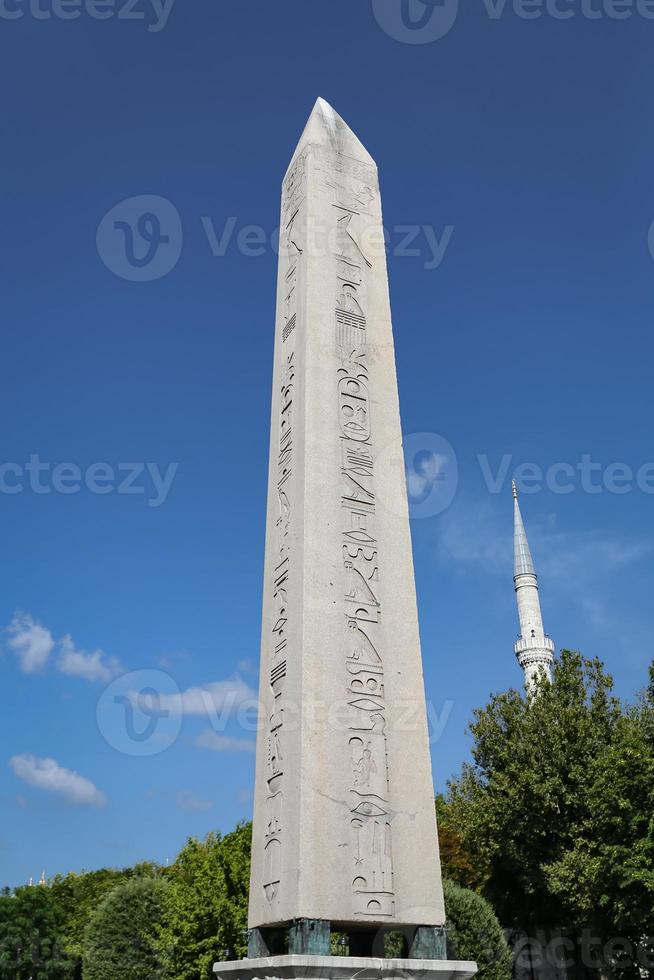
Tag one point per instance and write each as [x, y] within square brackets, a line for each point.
[344, 833]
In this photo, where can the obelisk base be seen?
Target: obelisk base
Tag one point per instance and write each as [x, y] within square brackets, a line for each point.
[342, 968]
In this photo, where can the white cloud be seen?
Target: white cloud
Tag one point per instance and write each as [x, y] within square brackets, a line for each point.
[186, 800]
[47, 774]
[168, 660]
[481, 539]
[571, 556]
[94, 666]
[210, 699]
[31, 642]
[224, 743]
[474, 537]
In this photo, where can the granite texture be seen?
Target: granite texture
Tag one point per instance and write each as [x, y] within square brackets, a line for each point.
[344, 822]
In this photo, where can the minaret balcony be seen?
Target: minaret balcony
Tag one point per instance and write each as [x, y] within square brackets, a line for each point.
[533, 643]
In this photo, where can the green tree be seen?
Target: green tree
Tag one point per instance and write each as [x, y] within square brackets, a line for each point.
[607, 877]
[457, 863]
[523, 803]
[30, 937]
[80, 894]
[474, 933]
[206, 904]
[558, 805]
[120, 942]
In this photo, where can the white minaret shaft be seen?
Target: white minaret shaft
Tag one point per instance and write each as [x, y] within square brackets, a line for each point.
[534, 650]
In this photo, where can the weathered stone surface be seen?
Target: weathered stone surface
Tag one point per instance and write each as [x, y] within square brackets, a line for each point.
[344, 823]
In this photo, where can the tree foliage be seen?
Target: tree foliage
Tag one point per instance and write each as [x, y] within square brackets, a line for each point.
[458, 864]
[79, 895]
[474, 933]
[552, 823]
[558, 805]
[120, 941]
[206, 904]
[31, 948]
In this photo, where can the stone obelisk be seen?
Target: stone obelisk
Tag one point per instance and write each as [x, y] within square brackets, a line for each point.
[344, 834]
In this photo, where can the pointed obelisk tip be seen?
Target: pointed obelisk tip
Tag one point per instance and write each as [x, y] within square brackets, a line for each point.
[327, 128]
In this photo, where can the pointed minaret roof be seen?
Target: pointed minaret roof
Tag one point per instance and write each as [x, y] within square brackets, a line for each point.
[326, 127]
[523, 563]
[534, 649]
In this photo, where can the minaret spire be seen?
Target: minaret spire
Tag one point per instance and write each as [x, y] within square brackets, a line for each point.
[534, 650]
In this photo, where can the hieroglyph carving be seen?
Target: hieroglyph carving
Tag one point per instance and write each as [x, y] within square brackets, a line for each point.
[352, 186]
[282, 659]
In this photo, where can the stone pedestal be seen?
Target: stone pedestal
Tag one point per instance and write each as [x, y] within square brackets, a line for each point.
[342, 968]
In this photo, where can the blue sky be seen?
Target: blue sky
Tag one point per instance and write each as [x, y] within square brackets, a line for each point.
[524, 147]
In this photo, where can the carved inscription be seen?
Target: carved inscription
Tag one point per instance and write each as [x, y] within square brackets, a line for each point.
[281, 659]
[353, 191]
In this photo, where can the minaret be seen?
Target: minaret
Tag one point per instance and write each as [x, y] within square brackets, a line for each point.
[534, 650]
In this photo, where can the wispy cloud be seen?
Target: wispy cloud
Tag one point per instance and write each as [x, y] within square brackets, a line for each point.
[31, 642]
[223, 743]
[48, 775]
[34, 644]
[168, 660]
[92, 667]
[186, 800]
[210, 699]
[472, 537]
[580, 567]
[587, 555]
[476, 537]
